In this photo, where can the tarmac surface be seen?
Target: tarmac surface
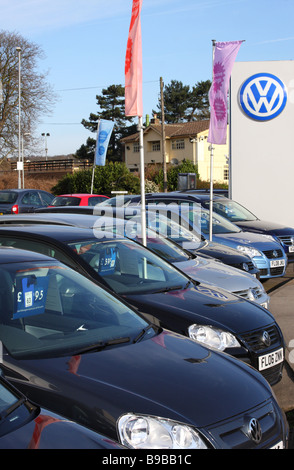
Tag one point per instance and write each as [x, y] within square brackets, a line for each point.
[281, 292]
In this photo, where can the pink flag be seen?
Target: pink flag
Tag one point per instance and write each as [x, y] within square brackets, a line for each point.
[133, 65]
[224, 57]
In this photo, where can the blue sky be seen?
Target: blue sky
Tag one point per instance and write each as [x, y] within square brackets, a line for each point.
[84, 42]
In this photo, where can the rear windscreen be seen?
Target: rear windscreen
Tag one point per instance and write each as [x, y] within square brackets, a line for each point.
[8, 197]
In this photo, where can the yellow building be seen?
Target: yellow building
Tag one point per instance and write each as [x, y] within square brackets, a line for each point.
[183, 141]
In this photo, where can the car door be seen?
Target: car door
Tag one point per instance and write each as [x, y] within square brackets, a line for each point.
[29, 201]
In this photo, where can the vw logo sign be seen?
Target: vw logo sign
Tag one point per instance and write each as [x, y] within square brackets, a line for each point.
[254, 430]
[266, 339]
[263, 96]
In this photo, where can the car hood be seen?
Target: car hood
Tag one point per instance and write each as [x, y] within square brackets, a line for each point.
[261, 226]
[258, 240]
[222, 252]
[203, 304]
[217, 273]
[168, 376]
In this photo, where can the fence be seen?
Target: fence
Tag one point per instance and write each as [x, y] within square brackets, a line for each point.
[53, 166]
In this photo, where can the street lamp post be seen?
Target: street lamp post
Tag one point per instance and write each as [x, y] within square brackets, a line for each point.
[45, 135]
[19, 123]
[22, 152]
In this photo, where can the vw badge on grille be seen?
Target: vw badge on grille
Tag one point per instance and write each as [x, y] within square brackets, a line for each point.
[275, 254]
[263, 96]
[266, 339]
[254, 430]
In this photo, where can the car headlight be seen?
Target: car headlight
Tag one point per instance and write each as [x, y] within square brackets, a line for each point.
[152, 432]
[248, 250]
[213, 337]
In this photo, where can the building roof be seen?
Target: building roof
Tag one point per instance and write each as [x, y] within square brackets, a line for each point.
[181, 129]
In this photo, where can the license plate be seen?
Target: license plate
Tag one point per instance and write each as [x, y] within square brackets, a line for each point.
[271, 359]
[291, 249]
[279, 445]
[275, 263]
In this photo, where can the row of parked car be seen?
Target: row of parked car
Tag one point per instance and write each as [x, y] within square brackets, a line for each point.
[156, 345]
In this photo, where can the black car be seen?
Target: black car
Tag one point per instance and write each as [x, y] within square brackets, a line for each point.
[212, 249]
[80, 351]
[15, 201]
[161, 292]
[246, 220]
[24, 425]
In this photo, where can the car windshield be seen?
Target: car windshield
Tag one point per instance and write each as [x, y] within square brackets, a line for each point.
[49, 310]
[8, 197]
[7, 399]
[233, 211]
[219, 224]
[128, 267]
[117, 201]
[66, 201]
[155, 242]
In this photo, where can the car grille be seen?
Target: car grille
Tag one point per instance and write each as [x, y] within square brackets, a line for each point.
[232, 434]
[273, 271]
[286, 240]
[269, 254]
[256, 292]
[253, 339]
[253, 342]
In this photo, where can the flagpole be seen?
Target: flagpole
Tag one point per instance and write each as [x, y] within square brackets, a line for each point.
[94, 161]
[142, 181]
[211, 167]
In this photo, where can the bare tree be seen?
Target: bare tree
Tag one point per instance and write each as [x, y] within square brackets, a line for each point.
[37, 96]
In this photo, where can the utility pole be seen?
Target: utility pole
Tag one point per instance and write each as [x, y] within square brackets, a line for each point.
[163, 137]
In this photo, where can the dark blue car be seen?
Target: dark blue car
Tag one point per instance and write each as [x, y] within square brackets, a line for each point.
[15, 201]
[246, 220]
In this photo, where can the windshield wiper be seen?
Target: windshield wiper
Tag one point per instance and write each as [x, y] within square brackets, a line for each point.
[102, 345]
[142, 333]
[13, 407]
[167, 289]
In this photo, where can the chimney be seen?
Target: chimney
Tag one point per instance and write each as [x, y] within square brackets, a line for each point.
[155, 119]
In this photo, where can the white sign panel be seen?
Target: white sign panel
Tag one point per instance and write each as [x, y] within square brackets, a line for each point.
[262, 138]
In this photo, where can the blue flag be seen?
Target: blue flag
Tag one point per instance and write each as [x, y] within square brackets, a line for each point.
[104, 132]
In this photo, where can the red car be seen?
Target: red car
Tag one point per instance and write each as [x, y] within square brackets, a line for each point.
[77, 200]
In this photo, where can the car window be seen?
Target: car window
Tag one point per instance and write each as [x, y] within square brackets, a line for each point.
[46, 198]
[233, 211]
[66, 201]
[219, 224]
[32, 199]
[128, 267]
[8, 197]
[48, 310]
[36, 246]
[93, 200]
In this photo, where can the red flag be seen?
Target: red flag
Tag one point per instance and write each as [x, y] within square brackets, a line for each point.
[133, 65]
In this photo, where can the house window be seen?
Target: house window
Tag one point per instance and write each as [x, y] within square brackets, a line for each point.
[155, 146]
[178, 144]
[136, 147]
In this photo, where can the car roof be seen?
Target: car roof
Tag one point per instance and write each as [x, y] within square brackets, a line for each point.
[185, 195]
[16, 255]
[80, 195]
[17, 190]
[58, 218]
[57, 232]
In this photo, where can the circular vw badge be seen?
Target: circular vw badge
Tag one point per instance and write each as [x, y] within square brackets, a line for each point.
[263, 96]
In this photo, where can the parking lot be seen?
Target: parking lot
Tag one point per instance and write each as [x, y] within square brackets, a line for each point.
[281, 291]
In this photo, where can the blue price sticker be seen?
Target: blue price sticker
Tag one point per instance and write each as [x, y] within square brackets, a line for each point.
[107, 261]
[31, 297]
